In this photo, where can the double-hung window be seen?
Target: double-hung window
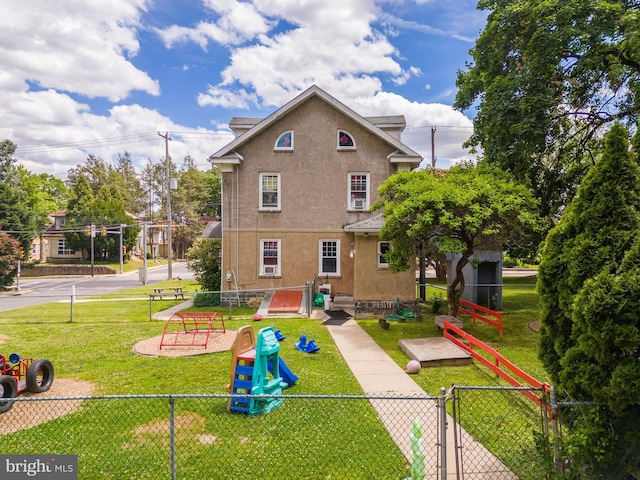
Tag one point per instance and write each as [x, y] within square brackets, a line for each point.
[329, 257]
[358, 191]
[383, 248]
[269, 191]
[270, 257]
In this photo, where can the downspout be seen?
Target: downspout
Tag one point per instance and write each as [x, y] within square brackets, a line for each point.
[237, 224]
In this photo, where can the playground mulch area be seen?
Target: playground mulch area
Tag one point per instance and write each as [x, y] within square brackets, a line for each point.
[218, 342]
[19, 417]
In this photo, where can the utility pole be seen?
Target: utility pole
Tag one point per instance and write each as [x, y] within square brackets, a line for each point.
[433, 148]
[168, 180]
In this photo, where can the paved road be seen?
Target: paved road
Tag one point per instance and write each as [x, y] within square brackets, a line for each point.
[40, 290]
[506, 272]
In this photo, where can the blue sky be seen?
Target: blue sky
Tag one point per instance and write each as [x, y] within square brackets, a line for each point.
[89, 76]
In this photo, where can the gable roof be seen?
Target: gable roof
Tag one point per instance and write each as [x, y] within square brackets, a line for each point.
[402, 154]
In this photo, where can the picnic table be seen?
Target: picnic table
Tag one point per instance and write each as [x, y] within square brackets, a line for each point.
[175, 292]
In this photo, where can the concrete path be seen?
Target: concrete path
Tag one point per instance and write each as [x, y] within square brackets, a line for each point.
[378, 374]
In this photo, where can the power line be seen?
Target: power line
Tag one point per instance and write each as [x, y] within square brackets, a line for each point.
[112, 142]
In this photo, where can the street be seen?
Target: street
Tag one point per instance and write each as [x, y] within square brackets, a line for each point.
[40, 290]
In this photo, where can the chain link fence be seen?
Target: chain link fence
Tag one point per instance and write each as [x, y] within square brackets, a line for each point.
[467, 433]
[194, 437]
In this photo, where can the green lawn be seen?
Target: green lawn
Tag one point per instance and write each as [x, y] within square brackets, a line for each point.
[97, 347]
[519, 344]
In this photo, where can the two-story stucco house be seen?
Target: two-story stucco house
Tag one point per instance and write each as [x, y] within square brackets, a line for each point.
[296, 191]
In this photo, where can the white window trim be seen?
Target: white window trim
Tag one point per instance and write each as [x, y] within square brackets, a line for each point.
[379, 256]
[351, 202]
[320, 257]
[341, 147]
[63, 249]
[269, 208]
[277, 272]
[285, 149]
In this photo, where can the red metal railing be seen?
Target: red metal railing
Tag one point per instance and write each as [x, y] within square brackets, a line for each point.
[515, 376]
[468, 308]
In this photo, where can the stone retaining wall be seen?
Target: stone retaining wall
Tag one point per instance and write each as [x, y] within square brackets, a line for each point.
[49, 270]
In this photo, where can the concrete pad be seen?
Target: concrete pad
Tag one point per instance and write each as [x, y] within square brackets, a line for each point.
[435, 352]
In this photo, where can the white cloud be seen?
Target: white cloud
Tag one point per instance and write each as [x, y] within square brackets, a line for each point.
[237, 23]
[79, 47]
[452, 127]
[59, 132]
[329, 42]
[66, 81]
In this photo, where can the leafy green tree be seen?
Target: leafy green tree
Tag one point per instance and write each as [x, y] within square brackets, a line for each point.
[198, 194]
[44, 195]
[8, 259]
[79, 215]
[547, 79]
[108, 213]
[455, 212]
[204, 260]
[16, 216]
[593, 236]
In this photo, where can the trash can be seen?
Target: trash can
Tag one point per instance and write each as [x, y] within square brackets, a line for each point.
[327, 302]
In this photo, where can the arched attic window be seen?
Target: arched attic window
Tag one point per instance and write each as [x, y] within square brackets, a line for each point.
[345, 141]
[284, 141]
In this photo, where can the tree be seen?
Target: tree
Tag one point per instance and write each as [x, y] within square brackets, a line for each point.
[16, 216]
[8, 164]
[78, 215]
[593, 236]
[548, 78]
[603, 366]
[44, 195]
[130, 186]
[108, 213]
[8, 259]
[204, 260]
[153, 178]
[197, 195]
[455, 212]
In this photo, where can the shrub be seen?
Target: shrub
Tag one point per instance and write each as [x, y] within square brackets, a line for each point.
[436, 302]
[207, 299]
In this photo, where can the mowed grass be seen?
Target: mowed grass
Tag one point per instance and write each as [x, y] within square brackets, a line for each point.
[97, 347]
[519, 344]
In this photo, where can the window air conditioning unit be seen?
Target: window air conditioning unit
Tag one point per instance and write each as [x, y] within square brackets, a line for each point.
[358, 203]
[270, 270]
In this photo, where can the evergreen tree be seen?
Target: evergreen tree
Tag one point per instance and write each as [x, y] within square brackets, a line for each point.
[593, 236]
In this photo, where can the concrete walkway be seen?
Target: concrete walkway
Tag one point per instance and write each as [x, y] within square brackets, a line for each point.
[378, 374]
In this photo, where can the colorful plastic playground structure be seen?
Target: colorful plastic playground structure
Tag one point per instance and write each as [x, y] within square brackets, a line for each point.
[257, 369]
[307, 347]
